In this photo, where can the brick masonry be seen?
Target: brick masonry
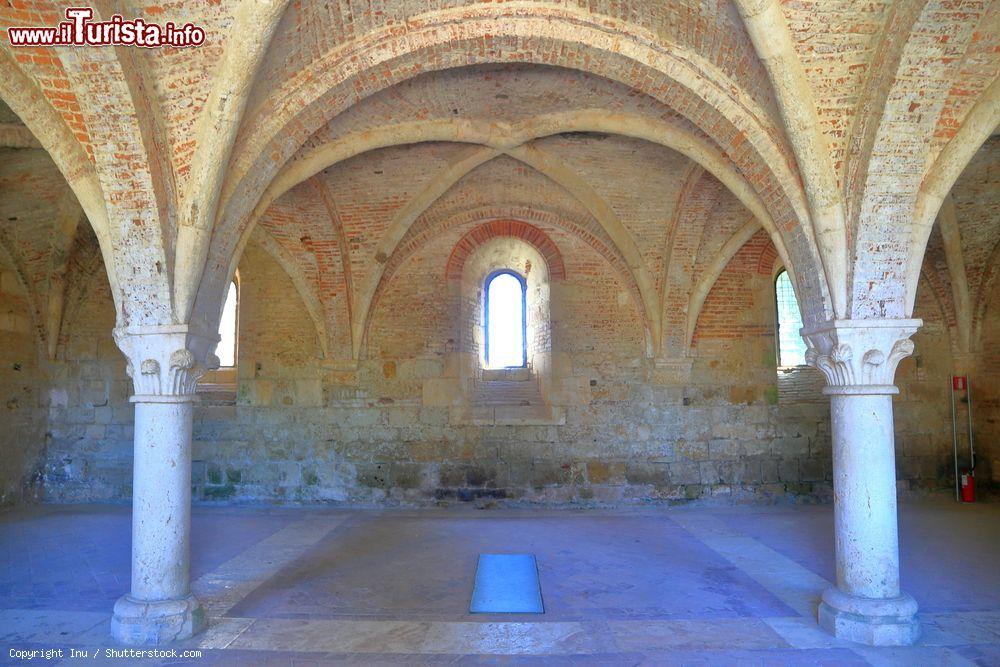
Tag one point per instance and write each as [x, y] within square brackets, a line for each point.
[670, 155]
[302, 433]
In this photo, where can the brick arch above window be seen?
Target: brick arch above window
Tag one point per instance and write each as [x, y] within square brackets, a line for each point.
[768, 261]
[506, 228]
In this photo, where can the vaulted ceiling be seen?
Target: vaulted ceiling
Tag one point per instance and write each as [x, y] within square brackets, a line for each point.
[344, 136]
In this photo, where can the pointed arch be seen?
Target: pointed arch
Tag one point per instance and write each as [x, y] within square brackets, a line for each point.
[505, 228]
[250, 34]
[531, 215]
[711, 274]
[49, 128]
[772, 39]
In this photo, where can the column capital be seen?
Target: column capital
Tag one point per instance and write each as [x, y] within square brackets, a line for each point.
[859, 356]
[169, 360]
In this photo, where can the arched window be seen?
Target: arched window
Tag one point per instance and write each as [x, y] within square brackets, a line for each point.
[506, 320]
[226, 350]
[791, 347]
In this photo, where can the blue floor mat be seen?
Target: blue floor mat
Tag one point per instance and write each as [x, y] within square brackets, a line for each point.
[507, 584]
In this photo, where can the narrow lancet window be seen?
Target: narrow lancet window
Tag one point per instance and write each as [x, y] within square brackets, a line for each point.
[506, 321]
[227, 329]
[791, 347]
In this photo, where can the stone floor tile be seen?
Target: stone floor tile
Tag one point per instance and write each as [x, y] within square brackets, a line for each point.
[225, 586]
[362, 587]
[590, 568]
[332, 636]
[983, 655]
[961, 628]
[908, 656]
[838, 657]
[221, 632]
[553, 639]
[38, 625]
[742, 633]
[796, 586]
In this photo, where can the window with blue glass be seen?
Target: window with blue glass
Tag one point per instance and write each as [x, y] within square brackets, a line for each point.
[506, 320]
[791, 347]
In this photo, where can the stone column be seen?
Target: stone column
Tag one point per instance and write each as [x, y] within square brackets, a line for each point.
[859, 359]
[164, 363]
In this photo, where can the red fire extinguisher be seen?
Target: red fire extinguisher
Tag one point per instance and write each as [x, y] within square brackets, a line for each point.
[968, 486]
[965, 483]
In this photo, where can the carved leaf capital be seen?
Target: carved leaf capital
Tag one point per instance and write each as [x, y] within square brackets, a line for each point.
[859, 353]
[170, 359]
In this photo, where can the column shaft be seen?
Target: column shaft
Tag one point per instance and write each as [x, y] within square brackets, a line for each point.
[161, 506]
[164, 363]
[866, 605]
[859, 359]
[864, 478]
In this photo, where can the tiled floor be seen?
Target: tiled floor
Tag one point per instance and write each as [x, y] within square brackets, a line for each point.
[689, 586]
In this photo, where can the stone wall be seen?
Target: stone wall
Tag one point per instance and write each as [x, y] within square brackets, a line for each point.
[497, 110]
[986, 396]
[305, 430]
[22, 393]
[89, 454]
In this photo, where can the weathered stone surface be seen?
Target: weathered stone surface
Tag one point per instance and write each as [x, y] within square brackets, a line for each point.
[647, 168]
[264, 452]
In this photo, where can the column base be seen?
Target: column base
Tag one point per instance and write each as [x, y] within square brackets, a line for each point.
[872, 621]
[140, 623]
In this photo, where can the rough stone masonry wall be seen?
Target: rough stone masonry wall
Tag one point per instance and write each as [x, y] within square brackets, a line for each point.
[304, 432]
[986, 397]
[22, 388]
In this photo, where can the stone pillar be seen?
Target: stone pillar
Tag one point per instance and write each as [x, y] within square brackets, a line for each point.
[859, 359]
[164, 363]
